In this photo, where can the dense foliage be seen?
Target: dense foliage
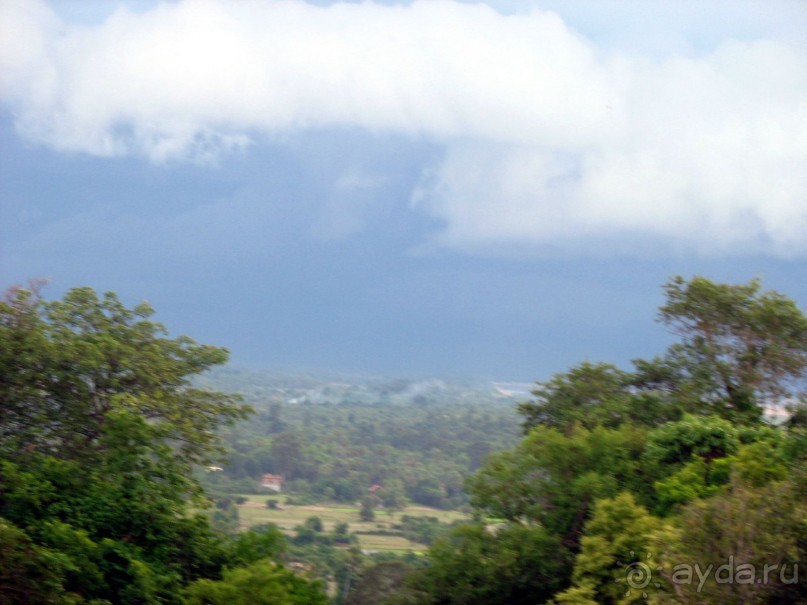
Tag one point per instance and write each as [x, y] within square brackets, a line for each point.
[663, 484]
[417, 441]
[99, 429]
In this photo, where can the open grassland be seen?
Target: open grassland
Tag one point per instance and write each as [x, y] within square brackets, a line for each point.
[254, 512]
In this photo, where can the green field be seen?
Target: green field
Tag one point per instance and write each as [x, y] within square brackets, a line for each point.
[254, 512]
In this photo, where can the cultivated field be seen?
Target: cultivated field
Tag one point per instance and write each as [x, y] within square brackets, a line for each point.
[254, 512]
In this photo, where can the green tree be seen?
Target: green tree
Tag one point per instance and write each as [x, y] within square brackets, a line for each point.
[516, 565]
[706, 437]
[393, 495]
[99, 428]
[314, 524]
[591, 395]
[120, 526]
[740, 347]
[367, 510]
[552, 479]
[261, 583]
[743, 531]
[587, 395]
[679, 436]
[378, 582]
[287, 453]
[762, 462]
[68, 364]
[687, 459]
[29, 574]
[618, 535]
[260, 542]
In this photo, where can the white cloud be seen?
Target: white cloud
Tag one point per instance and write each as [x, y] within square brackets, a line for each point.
[551, 141]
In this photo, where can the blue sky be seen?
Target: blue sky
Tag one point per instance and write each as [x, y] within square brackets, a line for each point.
[423, 188]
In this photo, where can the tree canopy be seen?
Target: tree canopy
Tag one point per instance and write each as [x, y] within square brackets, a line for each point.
[668, 465]
[68, 365]
[655, 469]
[740, 346]
[100, 427]
[740, 349]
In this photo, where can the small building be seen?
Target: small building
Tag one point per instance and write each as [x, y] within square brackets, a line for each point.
[272, 482]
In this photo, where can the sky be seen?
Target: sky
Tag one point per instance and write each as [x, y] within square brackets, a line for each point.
[473, 189]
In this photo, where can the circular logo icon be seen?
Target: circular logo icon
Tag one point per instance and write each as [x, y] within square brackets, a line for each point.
[638, 575]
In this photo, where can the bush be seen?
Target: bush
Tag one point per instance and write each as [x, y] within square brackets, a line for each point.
[367, 513]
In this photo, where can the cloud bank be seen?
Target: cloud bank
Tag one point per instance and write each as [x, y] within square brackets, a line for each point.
[550, 142]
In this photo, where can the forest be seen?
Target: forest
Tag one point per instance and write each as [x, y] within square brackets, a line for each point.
[418, 439]
[125, 457]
